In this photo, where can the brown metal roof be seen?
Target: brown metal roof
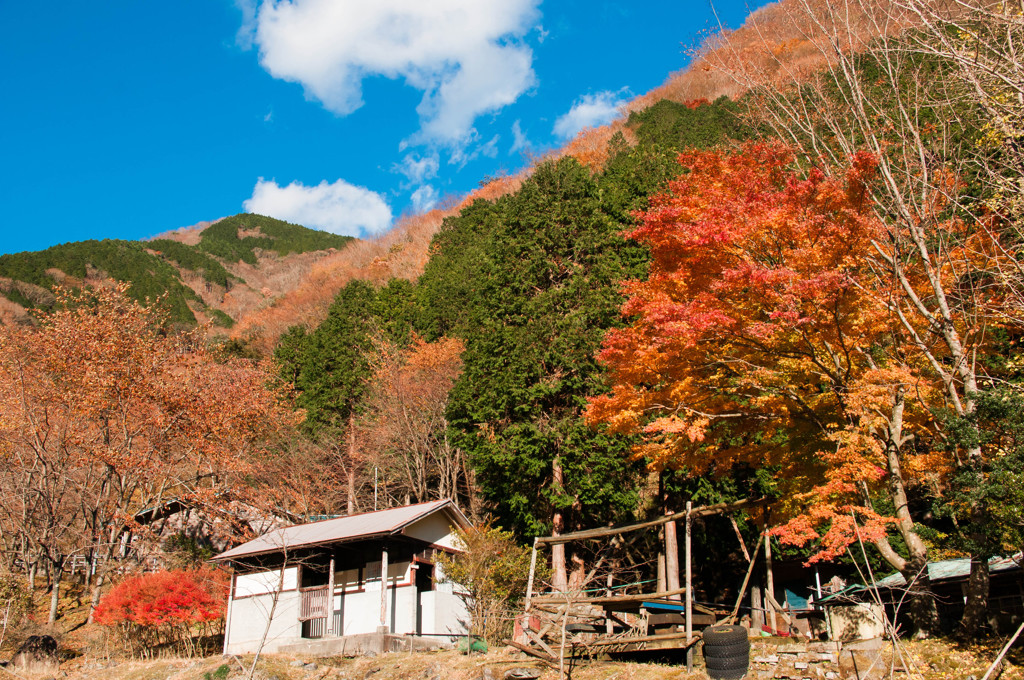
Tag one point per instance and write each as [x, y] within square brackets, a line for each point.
[348, 528]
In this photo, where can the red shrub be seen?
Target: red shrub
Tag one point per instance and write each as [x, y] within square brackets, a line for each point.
[164, 607]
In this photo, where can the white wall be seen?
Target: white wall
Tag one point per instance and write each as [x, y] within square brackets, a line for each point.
[247, 622]
[266, 582]
[434, 529]
[444, 612]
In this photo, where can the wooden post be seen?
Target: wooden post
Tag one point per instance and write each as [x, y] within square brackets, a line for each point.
[689, 590]
[661, 572]
[770, 598]
[384, 588]
[756, 609]
[671, 557]
[533, 572]
[329, 628]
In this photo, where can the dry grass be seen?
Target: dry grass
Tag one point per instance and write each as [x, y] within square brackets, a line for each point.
[934, 659]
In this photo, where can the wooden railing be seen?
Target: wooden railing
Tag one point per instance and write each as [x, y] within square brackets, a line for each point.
[313, 604]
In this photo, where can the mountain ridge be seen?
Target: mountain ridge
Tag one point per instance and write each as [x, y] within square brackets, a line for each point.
[211, 273]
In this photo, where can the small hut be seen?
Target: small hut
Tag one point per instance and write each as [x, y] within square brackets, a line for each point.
[365, 582]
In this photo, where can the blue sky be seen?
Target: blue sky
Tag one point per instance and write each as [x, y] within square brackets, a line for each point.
[127, 118]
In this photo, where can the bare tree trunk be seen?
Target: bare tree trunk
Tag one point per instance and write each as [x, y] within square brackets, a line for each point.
[559, 577]
[977, 599]
[351, 464]
[56, 571]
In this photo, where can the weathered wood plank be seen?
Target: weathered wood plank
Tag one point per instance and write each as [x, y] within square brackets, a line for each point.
[700, 511]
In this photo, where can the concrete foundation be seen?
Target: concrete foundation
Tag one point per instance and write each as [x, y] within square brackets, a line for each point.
[365, 643]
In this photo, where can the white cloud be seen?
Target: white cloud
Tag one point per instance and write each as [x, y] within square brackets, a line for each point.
[418, 170]
[590, 110]
[424, 198]
[466, 56]
[340, 207]
[519, 140]
[461, 157]
[247, 30]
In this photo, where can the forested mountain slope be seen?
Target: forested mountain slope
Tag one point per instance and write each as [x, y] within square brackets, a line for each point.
[231, 267]
[810, 291]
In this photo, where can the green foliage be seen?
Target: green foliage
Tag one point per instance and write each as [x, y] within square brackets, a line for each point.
[531, 283]
[222, 672]
[191, 258]
[493, 571]
[236, 348]
[984, 505]
[220, 318]
[185, 552]
[699, 125]
[222, 239]
[150, 266]
[329, 367]
[126, 261]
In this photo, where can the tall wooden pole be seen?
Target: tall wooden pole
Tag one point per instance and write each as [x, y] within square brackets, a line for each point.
[384, 587]
[689, 590]
[329, 628]
[770, 598]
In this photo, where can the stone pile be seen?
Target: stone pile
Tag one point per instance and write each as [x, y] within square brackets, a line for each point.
[860, 660]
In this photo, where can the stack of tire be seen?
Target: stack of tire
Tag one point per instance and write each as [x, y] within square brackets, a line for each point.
[726, 652]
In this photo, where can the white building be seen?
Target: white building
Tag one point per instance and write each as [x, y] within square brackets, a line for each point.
[317, 587]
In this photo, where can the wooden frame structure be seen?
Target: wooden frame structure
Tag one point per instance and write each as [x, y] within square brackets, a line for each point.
[586, 626]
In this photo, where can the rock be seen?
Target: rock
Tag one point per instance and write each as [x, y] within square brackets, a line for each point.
[828, 657]
[831, 675]
[310, 666]
[36, 648]
[800, 665]
[371, 672]
[791, 648]
[297, 664]
[487, 673]
[772, 658]
[521, 674]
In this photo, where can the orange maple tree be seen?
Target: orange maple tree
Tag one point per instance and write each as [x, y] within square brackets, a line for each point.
[762, 337]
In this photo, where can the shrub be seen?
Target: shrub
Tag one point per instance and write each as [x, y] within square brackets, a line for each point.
[493, 572]
[164, 610]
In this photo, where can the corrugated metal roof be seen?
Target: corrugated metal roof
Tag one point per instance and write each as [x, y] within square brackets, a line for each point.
[959, 568]
[351, 527]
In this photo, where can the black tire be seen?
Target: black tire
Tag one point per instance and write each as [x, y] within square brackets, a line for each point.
[736, 649]
[719, 636]
[730, 663]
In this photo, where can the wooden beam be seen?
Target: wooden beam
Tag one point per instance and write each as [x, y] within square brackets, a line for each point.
[699, 511]
[746, 579]
[533, 572]
[644, 638]
[612, 599]
[550, 661]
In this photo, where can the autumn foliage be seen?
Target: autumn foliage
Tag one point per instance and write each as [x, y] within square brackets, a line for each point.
[164, 608]
[103, 413]
[751, 339]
